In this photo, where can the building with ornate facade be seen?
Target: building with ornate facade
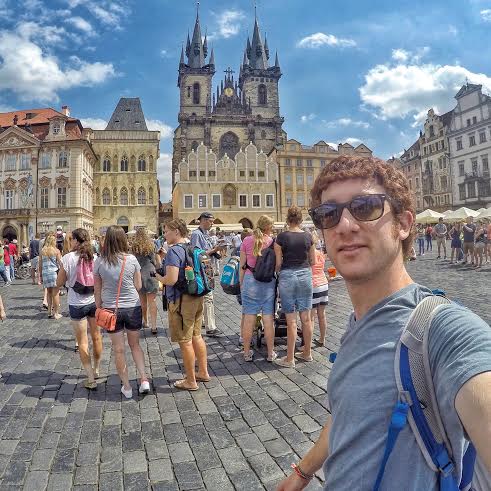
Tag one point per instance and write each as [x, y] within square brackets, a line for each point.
[236, 191]
[410, 165]
[299, 165]
[470, 147]
[46, 173]
[435, 162]
[125, 177]
[243, 109]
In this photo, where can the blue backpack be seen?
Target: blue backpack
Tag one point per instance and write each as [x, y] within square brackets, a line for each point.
[204, 280]
[418, 405]
[230, 279]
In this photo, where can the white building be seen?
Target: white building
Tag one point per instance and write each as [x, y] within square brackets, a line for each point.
[470, 148]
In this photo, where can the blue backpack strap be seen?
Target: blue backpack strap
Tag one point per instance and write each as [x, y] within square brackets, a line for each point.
[468, 464]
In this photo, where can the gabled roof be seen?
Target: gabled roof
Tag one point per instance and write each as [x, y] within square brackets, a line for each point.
[128, 115]
[467, 88]
[362, 147]
[31, 117]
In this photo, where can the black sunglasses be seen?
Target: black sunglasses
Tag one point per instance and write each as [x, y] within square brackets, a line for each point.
[365, 208]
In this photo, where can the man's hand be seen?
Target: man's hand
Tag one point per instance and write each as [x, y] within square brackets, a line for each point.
[292, 483]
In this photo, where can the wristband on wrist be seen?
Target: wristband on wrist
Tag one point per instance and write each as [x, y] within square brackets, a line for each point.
[301, 474]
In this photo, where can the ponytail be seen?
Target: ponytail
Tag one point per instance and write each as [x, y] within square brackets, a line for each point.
[258, 242]
[84, 248]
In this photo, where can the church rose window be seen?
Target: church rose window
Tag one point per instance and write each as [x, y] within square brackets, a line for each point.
[229, 144]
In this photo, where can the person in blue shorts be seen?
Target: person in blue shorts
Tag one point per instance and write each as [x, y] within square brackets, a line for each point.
[364, 208]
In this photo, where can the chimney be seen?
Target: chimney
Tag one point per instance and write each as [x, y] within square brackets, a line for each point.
[65, 110]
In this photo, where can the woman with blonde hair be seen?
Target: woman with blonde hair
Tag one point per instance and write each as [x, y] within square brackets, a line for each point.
[257, 297]
[320, 288]
[77, 273]
[117, 281]
[144, 250]
[295, 254]
[48, 271]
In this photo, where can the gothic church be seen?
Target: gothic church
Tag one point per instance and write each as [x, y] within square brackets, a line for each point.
[240, 111]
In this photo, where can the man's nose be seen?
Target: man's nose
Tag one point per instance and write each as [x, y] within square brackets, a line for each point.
[347, 222]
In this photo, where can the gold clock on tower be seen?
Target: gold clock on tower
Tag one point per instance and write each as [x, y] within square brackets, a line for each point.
[229, 92]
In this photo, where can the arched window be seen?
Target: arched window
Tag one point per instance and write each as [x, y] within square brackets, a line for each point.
[150, 196]
[63, 159]
[106, 197]
[123, 197]
[262, 95]
[142, 197]
[106, 165]
[229, 144]
[142, 165]
[196, 93]
[124, 164]
[115, 196]
[97, 196]
[194, 145]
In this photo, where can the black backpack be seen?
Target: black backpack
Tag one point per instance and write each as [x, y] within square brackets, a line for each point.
[264, 271]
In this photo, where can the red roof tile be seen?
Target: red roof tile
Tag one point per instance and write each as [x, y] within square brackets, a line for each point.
[36, 116]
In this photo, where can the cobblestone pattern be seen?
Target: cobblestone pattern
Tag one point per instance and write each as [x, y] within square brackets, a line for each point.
[239, 431]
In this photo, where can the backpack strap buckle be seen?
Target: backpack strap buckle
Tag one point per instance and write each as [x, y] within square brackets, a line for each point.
[445, 464]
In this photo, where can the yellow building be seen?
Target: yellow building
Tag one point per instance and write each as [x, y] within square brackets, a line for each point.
[299, 166]
[125, 177]
[236, 191]
[46, 172]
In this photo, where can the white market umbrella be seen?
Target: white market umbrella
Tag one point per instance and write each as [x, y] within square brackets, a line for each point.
[462, 214]
[481, 210]
[486, 213]
[428, 216]
[447, 213]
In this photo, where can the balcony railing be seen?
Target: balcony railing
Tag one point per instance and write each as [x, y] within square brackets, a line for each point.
[15, 212]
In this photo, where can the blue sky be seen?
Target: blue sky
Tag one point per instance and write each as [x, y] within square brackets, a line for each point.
[356, 71]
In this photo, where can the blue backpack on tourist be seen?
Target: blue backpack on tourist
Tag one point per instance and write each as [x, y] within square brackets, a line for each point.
[417, 404]
[230, 279]
[198, 278]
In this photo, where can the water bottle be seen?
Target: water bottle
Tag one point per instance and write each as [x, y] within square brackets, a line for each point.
[189, 273]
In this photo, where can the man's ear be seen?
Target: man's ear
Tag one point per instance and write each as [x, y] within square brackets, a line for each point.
[406, 221]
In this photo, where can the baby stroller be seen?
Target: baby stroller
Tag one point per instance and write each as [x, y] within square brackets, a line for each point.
[280, 325]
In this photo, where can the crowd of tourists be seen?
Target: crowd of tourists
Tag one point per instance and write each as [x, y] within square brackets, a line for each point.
[470, 243]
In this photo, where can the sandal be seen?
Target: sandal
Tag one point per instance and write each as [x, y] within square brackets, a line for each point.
[202, 379]
[45, 306]
[154, 331]
[179, 384]
[318, 343]
[300, 356]
[90, 385]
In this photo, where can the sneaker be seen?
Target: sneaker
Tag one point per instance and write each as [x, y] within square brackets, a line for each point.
[8, 283]
[249, 356]
[127, 393]
[241, 341]
[212, 332]
[144, 387]
[282, 362]
[438, 257]
[273, 357]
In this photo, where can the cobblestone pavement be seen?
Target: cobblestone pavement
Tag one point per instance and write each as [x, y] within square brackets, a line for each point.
[239, 431]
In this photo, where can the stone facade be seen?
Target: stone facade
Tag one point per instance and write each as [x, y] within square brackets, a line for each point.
[299, 166]
[236, 191]
[243, 110]
[410, 165]
[470, 148]
[46, 173]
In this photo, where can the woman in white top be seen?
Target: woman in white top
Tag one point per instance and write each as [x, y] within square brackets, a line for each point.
[107, 270]
[76, 272]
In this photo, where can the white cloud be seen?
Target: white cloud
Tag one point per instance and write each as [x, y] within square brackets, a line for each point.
[81, 24]
[164, 175]
[345, 122]
[486, 15]
[353, 141]
[32, 73]
[229, 23]
[320, 39]
[164, 53]
[307, 117]
[105, 16]
[396, 90]
[400, 55]
[166, 131]
[94, 123]
[47, 34]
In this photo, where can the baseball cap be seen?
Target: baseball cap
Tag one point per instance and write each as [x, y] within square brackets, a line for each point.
[206, 214]
[59, 227]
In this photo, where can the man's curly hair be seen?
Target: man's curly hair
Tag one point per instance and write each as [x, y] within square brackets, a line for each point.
[392, 180]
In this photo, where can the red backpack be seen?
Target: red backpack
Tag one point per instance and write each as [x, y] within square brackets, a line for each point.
[84, 280]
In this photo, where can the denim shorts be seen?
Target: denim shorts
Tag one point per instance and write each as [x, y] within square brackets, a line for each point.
[257, 296]
[295, 287]
[79, 312]
[129, 318]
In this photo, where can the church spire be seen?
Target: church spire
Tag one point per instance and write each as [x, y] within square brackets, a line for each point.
[276, 62]
[181, 61]
[212, 57]
[266, 49]
[257, 56]
[196, 56]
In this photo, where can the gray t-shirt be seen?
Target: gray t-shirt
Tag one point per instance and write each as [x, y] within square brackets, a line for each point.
[109, 273]
[440, 229]
[362, 392]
